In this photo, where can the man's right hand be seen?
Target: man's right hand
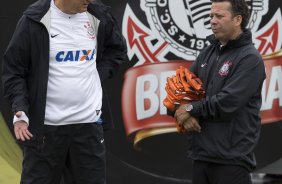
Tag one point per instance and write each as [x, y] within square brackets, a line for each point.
[21, 129]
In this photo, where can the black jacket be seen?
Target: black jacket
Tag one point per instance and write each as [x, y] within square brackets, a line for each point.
[26, 61]
[229, 114]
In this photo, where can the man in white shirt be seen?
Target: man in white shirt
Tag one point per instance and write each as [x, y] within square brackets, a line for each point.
[52, 71]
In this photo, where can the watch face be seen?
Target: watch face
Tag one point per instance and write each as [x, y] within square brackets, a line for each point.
[189, 107]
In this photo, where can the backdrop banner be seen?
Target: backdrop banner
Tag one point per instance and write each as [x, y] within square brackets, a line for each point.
[161, 35]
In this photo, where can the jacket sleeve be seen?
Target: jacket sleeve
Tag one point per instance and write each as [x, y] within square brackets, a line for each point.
[115, 50]
[15, 68]
[245, 82]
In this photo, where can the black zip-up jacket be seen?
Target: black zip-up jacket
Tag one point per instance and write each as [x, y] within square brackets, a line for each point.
[233, 76]
[26, 60]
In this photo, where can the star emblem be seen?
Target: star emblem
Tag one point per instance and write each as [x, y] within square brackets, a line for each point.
[182, 38]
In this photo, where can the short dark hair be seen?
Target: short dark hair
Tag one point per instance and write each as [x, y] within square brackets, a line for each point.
[239, 7]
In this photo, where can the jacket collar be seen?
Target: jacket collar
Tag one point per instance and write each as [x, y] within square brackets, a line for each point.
[98, 9]
[37, 10]
[244, 39]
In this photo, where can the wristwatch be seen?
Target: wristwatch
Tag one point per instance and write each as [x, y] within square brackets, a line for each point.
[189, 107]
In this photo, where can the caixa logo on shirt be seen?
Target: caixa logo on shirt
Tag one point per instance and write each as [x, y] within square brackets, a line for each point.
[75, 56]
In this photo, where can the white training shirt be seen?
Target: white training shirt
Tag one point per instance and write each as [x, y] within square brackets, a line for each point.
[74, 93]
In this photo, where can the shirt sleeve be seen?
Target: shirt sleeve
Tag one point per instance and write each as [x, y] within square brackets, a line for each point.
[23, 117]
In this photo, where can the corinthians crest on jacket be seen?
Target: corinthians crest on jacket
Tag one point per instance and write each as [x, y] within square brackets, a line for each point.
[173, 31]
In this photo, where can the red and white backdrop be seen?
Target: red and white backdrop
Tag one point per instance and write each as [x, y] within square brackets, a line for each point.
[162, 35]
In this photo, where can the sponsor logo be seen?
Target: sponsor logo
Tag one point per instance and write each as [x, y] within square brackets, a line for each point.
[75, 56]
[54, 35]
[102, 141]
[204, 65]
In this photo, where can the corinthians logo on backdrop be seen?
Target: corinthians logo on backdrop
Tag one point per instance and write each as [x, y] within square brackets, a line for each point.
[174, 31]
[184, 24]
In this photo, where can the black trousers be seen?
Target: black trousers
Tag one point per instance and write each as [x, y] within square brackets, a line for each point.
[212, 173]
[79, 147]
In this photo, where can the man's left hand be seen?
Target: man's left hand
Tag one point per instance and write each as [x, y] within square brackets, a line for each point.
[181, 115]
[192, 124]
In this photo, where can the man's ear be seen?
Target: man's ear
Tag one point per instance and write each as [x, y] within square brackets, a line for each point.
[238, 20]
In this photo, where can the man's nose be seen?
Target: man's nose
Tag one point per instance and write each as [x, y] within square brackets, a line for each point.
[213, 20]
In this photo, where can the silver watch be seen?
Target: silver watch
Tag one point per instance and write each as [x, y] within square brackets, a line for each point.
[189, 107]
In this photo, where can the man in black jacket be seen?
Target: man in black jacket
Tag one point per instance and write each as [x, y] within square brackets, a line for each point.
[60, 53]
[224, 126]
